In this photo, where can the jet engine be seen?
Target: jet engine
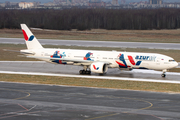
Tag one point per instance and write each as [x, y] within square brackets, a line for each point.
[99, 67]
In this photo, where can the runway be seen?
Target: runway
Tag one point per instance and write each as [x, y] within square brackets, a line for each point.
[47, 69]
[38, 102]
[174, 46]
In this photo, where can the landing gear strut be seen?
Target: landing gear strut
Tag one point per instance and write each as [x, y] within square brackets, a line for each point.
[164, 75]
[85, 71]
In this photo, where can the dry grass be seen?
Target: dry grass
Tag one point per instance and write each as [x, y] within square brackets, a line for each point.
[162, 36]
[100, 83]
[12, 56]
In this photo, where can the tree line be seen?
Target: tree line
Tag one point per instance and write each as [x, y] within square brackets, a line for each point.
[82, 19]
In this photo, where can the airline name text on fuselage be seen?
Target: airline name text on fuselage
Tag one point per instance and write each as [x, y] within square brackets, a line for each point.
[145, 58]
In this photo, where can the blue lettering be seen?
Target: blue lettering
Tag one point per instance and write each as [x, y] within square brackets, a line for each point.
[140, 57]
[144, 57]
[149, 58]
[137, 57]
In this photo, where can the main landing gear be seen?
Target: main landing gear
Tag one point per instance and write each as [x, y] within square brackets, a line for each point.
[85, 71]
[164, 75]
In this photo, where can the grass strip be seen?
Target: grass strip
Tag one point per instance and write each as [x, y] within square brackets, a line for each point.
[99, 83]
[156, 36]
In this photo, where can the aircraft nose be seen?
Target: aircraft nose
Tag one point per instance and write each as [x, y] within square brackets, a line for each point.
[173, 65]
[176, 64]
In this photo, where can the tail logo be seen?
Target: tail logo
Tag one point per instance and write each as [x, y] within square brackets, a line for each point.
[26, 37]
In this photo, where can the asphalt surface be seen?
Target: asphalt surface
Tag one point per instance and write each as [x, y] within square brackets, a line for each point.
[47, 102]
[28, 101]
[43, 67]
[174, 46]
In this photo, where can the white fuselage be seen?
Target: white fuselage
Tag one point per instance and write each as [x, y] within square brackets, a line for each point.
[131, 60]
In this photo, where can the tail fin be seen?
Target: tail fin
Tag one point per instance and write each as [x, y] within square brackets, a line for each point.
[30, 39]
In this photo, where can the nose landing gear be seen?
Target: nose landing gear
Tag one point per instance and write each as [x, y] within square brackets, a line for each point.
[163, 75]
[164, 71]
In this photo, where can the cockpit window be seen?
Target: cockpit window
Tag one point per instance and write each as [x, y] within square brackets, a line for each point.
[171, 60]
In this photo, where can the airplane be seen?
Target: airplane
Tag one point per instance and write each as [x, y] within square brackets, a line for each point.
[93, 60]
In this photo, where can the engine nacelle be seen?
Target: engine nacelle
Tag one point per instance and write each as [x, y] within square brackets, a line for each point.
[99, 67]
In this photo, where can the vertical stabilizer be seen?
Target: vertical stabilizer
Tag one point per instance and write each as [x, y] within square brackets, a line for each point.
[30, 39]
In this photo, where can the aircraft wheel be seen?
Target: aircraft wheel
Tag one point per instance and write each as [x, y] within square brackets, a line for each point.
[163, 75]
[81, 72]
[88, 72]
[84, 72]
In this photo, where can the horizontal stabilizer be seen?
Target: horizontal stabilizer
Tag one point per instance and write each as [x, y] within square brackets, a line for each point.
[11, 50]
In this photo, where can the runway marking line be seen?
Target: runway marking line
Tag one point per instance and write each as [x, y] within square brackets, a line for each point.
[23, 107]
[18, 99]
[94, 117]
[18, 91]
[126, 112]
[15, 113]
[94, 77]
[102, 116]
[12, 112]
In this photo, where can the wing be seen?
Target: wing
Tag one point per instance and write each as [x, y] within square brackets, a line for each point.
[87, 62]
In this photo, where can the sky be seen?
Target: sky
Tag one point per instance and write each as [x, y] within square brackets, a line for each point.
[45, 1]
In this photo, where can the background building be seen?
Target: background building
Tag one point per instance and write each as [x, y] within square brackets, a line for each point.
[155, 2]
[115, 2]
[24, 5]
[123, 1]
[95, 3]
